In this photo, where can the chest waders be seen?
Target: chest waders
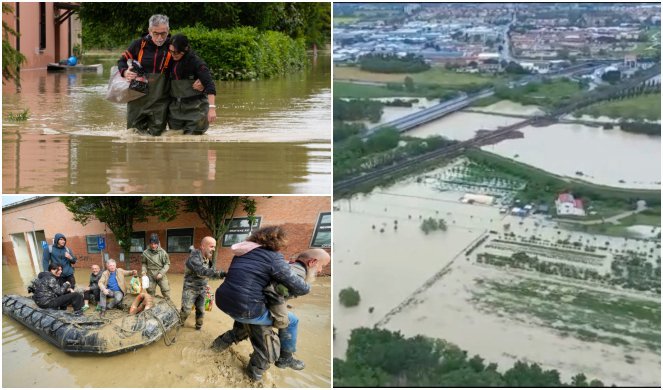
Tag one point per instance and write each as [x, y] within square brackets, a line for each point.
[188, 108]
[148, 113]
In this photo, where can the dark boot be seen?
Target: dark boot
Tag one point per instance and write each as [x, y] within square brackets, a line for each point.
[223, 342]
[256, 367]
[287, 360]
[199, 323]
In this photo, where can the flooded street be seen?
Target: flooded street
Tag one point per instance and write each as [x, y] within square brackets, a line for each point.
[427, 285]
[589, 150]
[29, 361]
[271, 136]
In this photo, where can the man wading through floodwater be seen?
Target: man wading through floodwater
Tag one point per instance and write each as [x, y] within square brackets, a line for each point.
[148, 114]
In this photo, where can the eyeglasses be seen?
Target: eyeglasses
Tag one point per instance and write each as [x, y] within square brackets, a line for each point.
[159, 34]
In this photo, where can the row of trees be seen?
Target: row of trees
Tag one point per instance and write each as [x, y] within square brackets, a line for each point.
[120, 213]
[109, 26]
[357, 110]
[381, 358]
[391, 63]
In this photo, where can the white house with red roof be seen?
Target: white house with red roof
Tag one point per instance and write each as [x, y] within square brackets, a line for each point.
[567, 205]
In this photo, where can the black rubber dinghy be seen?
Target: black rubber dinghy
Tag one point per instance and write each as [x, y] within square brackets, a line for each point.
[116, 332]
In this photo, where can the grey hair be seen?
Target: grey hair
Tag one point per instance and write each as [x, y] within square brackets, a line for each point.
[156, 20]
[111, 261]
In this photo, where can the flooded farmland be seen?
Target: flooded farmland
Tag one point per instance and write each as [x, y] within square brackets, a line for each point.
[577, 151]
[430, 285]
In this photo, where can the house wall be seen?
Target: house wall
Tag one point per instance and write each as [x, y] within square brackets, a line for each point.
[298, 215]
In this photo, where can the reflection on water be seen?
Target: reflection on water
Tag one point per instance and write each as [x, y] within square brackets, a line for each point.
[30, 361]
[271, 136]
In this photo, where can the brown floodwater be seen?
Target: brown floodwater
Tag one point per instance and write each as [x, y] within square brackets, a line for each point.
[271, 136]
[30, 361]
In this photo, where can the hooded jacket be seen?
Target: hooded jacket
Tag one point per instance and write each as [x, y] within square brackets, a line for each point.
[47, 288]
[241, 294]
[56, 256]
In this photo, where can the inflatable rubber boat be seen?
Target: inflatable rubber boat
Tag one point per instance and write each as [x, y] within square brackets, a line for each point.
[116, 332]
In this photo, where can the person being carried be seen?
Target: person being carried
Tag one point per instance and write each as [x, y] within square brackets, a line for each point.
[307, 265]
[112, 284]
[59, 254]
[92, 292]
[48, 293]
[189, 109]
[155, 264]
[242, 297]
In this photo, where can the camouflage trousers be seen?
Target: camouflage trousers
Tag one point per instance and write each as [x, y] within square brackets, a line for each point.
[191, 298]
[162, 283]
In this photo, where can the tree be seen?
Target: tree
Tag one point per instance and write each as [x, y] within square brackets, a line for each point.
[12, 59]
[119, 213]
[216, 212]
[612, 76]
[349, 297]
[409, 84]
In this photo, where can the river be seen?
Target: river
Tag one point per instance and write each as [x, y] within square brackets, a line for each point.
[271, 136]
[30, 361]
[609, 157]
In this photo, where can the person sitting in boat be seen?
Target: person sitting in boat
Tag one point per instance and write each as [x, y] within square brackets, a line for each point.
[50, 294]
[144, 300]
[91, 292]
[189, 109]
[59, 254]
[112, 284]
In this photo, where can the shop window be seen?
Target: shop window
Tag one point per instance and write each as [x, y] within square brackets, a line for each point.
[239, 230]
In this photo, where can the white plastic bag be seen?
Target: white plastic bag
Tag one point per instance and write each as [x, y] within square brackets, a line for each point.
[118, 89]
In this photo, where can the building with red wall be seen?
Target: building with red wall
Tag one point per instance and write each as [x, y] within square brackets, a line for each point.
[26, 224]
[47, 31]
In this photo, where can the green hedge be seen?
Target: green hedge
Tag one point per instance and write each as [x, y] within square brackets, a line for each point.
[245, 53]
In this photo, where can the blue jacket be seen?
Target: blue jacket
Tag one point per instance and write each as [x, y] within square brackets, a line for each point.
[241, 294]
[56, 256]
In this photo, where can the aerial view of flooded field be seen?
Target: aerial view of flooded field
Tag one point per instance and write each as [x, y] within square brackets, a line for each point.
[558, 307]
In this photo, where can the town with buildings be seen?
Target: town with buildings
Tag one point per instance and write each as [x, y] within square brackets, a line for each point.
[485, 38]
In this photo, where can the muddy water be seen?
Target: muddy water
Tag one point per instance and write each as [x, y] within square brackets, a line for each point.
[590, 150]
[603, 156]
[29, 361]
[271, 136]
[387, 268]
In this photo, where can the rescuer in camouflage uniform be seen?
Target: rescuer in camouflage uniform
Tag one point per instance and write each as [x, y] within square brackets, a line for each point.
[156, 263]
[198, 268]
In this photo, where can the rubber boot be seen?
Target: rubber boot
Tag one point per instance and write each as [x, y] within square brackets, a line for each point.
[287, 360]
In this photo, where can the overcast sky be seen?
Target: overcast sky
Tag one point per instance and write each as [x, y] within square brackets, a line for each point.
[7, 199]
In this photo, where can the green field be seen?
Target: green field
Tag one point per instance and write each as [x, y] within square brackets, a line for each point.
[542, 94]
[640, 107]
[435, 75]
[587, 315]
[650, 218]
[361, 91]
[345, 19]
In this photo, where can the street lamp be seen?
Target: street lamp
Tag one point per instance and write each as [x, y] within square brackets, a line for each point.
[34, 237]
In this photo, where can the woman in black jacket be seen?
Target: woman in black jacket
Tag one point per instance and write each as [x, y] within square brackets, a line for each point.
[190, 110]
